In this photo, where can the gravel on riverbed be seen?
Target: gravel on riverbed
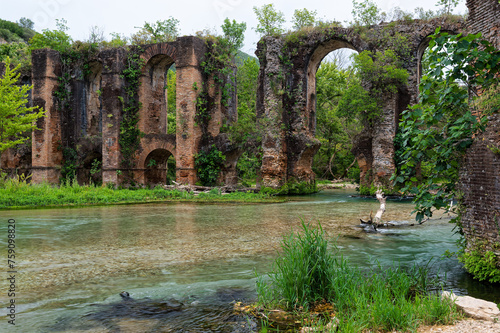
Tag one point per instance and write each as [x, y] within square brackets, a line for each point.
[463, 326]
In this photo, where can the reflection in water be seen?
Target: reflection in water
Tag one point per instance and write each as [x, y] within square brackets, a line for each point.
[74, 262]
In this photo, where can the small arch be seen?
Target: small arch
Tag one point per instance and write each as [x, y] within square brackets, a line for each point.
[91, 169]
[158, 167]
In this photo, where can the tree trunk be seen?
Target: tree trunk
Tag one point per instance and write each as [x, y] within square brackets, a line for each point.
[381, 210]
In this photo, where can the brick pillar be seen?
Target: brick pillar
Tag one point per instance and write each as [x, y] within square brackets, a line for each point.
[270, 113]
[46, 143]
[383, 143]
[112, 85]
[189, 83]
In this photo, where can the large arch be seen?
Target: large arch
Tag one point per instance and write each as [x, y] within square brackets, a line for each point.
[153, 95]
[286, 98]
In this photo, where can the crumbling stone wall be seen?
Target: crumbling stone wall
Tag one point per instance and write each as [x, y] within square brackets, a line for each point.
[286, 98]
[480, 174]
[91, 124]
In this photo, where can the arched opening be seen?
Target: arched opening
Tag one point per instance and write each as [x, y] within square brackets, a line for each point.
[91, 169]
[157, 96]
[330, 75]
[159, 167]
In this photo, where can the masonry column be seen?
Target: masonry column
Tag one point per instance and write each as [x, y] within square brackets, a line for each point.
[112, 88]
[270, 113]
[46, 141]
[383, 143]
[190, 52]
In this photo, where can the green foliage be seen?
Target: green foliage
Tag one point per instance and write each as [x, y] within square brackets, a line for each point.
[172, 102]
[270, 21]
[16, 32]
[447, 6]
[381, 299]
[117, 40]
[380, 74]
[302, 274]
[69, 166]
[234, 33]
[365, 13]
[17, 193]
[335, 130]
[482, 265]
[26, 23]
[292, 187]
[438, 130]
[16, 119]
[158, 32]
[208, 165]
[18, 53]
[303, 18]
[129, 132]
[57, 39]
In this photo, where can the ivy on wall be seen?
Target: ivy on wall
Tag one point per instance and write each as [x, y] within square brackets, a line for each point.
[130, 134]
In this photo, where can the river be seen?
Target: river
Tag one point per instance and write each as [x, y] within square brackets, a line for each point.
[72, 263]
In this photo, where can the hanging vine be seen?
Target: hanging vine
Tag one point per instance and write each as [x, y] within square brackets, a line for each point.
[130, 134]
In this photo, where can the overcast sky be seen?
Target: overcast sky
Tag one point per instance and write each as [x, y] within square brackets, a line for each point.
[124, 15]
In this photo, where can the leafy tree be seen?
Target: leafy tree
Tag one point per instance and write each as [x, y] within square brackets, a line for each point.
[334, 130]
[303, 18]
[96, 35]
[158, 32]
[17, 52]
[26, 23]
[379, 75]
[16, 119]
[365, 13]
[117, 40]
[208, 165]
[447, 6]
[234, 33]
[437, 131]
[245, 131]
[270, 20]
[57, 39]
[15, 32]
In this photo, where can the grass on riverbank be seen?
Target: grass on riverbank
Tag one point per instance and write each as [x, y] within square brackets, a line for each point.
[307, 276]
[15, 193]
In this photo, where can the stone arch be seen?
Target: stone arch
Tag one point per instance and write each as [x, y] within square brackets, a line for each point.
[158, 58]
[149, 144]
[91, 170]
[316, 57]
[155, 165]
[424, 44]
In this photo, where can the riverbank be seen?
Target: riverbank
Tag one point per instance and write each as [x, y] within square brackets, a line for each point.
[21, 195]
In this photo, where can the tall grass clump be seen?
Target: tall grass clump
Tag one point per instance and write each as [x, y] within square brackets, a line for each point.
[308, 272]
[303, 273]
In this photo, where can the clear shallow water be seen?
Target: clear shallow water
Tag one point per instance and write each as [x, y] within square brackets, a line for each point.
[74, 262]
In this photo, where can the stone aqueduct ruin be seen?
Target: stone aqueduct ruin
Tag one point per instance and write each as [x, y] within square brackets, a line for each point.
[285, 109]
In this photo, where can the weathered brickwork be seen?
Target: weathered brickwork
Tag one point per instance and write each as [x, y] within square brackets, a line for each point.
[286, 98]
[480, 175]
[90, 125]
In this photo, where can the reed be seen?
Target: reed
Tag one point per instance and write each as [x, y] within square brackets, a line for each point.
[309, 271]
